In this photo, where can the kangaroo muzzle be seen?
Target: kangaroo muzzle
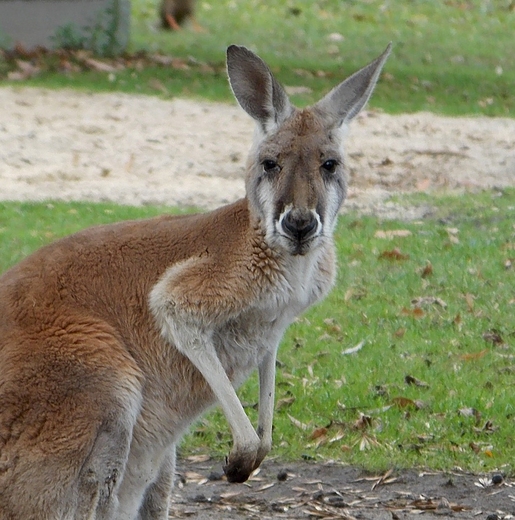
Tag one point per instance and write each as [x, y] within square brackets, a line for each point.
[299, 225]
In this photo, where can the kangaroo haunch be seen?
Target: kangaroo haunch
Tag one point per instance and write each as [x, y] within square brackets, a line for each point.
[113, 340]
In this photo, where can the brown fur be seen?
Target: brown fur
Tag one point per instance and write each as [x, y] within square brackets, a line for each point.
[113, 340]
[179, 10]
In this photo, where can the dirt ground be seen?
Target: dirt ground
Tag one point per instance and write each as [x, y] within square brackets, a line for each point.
[139, 150]
[332, 491]
[142, 150]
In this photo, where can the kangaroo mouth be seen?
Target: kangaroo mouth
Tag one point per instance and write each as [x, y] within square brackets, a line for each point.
[299, 247]
[300, 251]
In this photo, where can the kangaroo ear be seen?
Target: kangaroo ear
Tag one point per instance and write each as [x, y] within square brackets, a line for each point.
[345, 101]
[256, 89]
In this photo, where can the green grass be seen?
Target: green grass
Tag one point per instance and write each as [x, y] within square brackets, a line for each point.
[358, 408]
[26, 226]
[453, 57]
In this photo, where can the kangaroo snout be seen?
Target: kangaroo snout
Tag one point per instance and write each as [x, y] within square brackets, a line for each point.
[299, 225]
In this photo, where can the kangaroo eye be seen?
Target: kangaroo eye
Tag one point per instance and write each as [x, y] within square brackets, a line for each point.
[330, 165]
[270, 166]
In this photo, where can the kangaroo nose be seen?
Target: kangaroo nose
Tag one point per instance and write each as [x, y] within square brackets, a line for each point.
[299, 224]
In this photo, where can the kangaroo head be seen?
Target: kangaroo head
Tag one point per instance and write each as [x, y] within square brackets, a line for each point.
[296, 179]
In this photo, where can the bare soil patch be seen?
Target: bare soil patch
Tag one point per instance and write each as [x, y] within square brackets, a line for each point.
[332, 491]
[140, 150]
[68, 145]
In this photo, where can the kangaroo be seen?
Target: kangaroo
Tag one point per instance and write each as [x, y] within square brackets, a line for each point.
[114, 339]
[174, 13]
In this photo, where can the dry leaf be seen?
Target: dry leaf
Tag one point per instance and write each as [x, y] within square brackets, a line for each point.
[355, 349]
[427, 270]
[161, 59]
[157, 84]
[384, 480]
[230, 494]
[284, 402]
[393, 255]
[264, 487]
[192, 476]
[298, 423]
[332, 325]
[474, 447]
[255, 473]
[25, 71]
[417, 312]
[422, 301]
[494, 336]
[484, 482]
[405, 402]
[469, 298]
[320, 441]
[367, 442]
[340, 434]
[179, 64]
[470, 412]
[452, 235]
[317, 432]
[354, 294]
[99, 66]
[410, 380]
[199, 458]
[487, 428]
[392, 233]
[474, 356]
[399, 333]
[364, 422]
[349, 293]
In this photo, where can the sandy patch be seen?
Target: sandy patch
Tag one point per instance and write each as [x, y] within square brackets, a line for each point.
[129, 149]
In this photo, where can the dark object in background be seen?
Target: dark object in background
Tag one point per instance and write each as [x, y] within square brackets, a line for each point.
[175, 12]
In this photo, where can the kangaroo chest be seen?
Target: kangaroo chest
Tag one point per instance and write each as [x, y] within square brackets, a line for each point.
[242, 342]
